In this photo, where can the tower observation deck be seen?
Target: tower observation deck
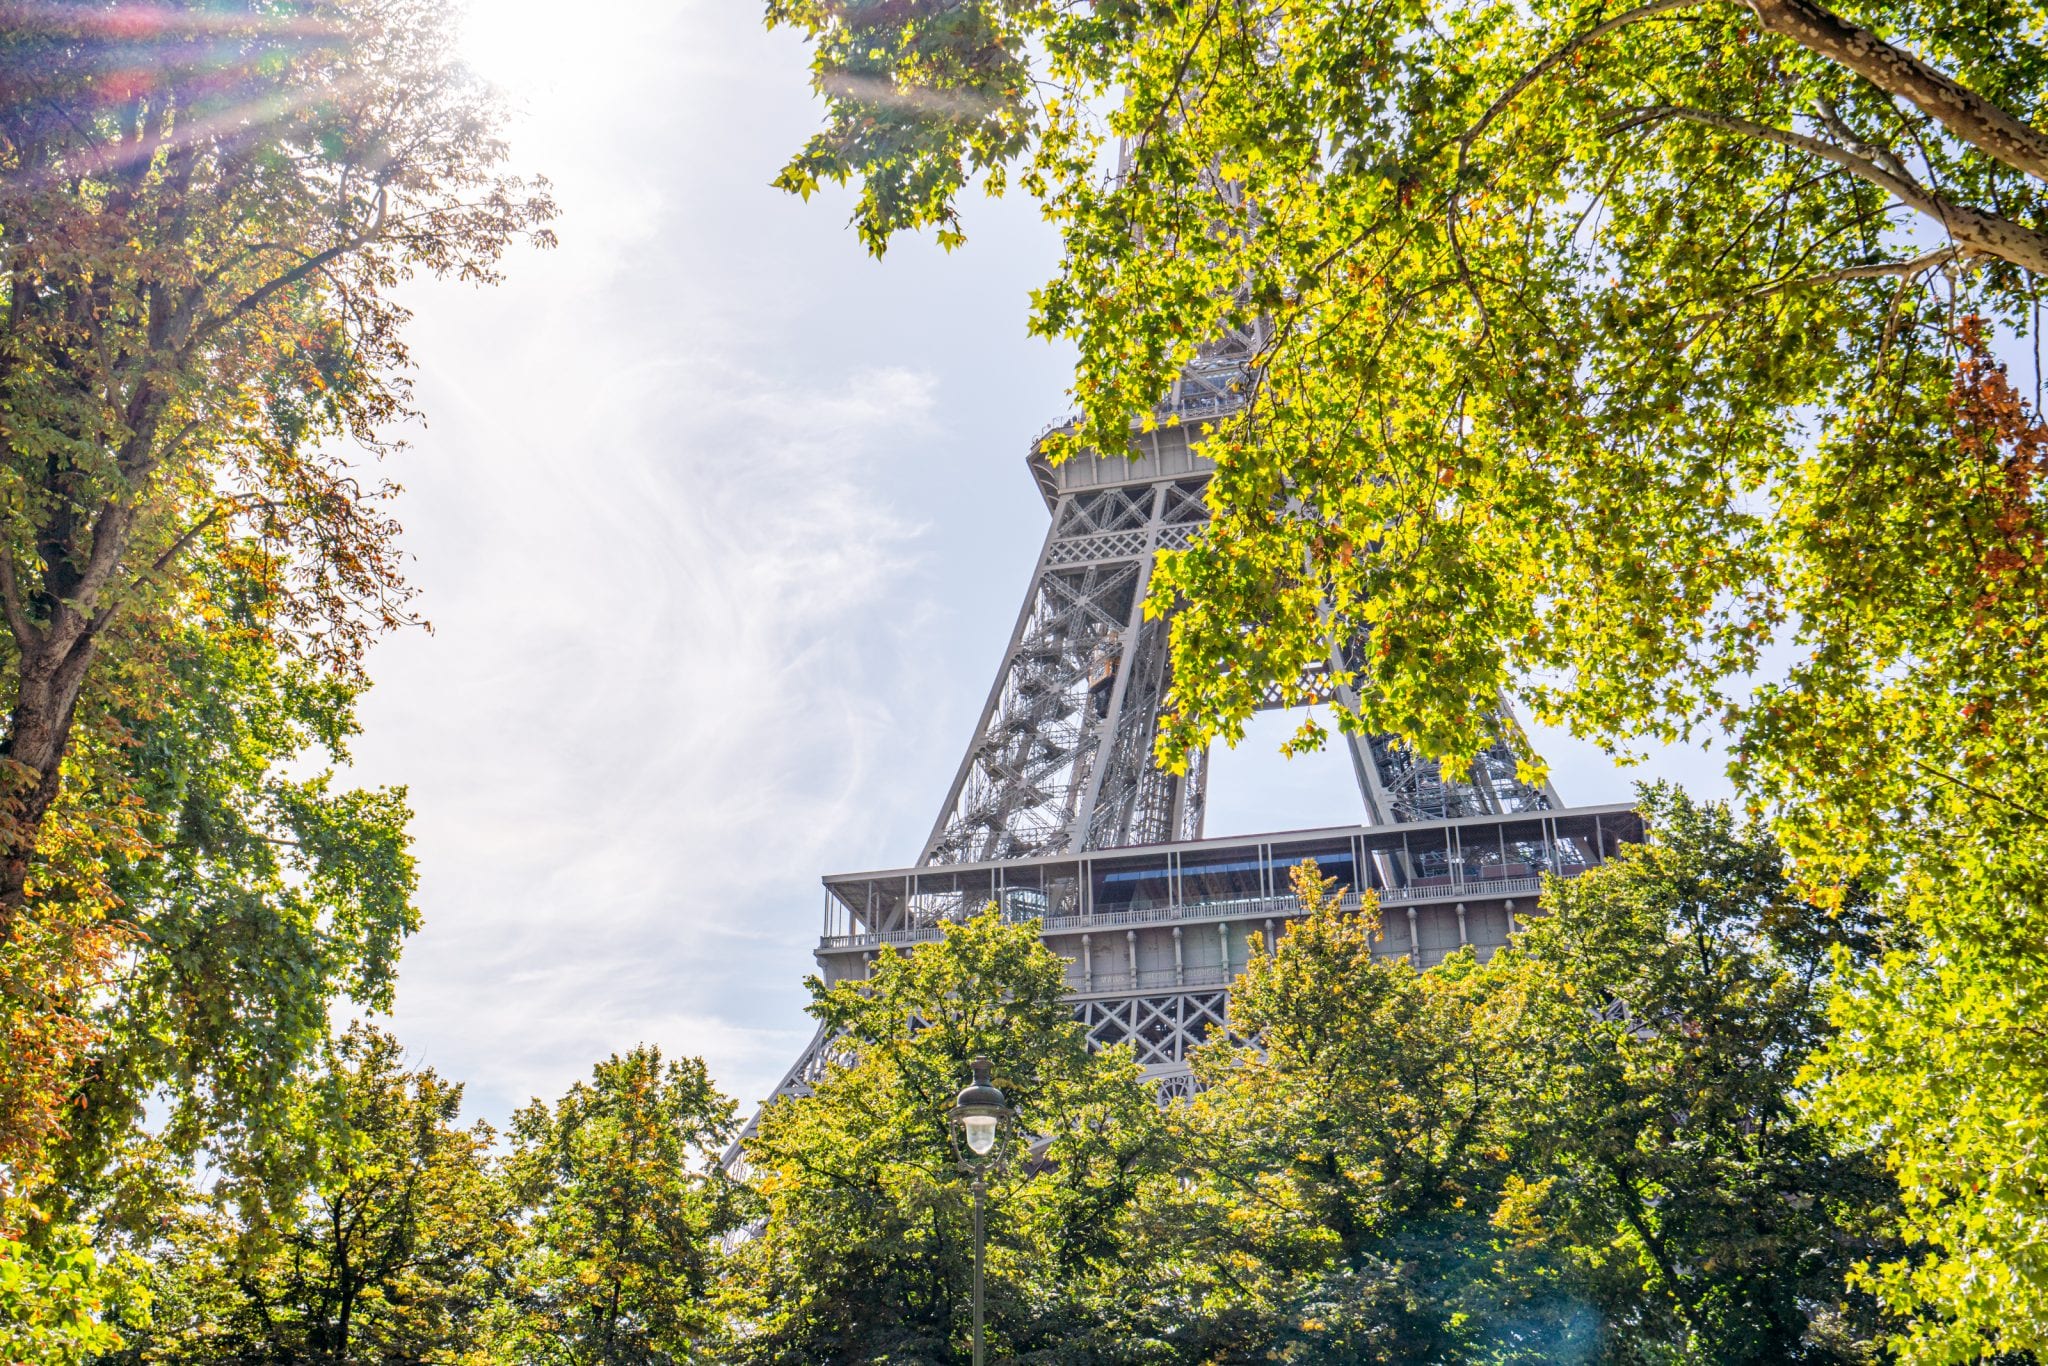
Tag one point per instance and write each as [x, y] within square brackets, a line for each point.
[1057, 812]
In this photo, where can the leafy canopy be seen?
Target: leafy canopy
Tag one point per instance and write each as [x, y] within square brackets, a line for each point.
[261, 892]
[1341, 1162]
[1605, 355]
[1589, 1148]
[371, 1236]
[1664, 1007]
[865, 1252]
[624, 1203]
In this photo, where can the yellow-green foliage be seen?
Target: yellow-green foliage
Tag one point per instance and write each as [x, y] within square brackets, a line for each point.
[1607, 354]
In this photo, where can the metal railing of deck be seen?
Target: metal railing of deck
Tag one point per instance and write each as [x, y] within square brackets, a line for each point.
[1239, 908]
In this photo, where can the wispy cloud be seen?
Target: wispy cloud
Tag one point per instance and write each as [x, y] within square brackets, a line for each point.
[672, 618]
[658, 688]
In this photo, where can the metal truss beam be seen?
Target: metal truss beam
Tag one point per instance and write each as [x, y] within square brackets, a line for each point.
[1062, 757]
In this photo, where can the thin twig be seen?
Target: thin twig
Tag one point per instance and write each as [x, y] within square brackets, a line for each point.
[1978, 791]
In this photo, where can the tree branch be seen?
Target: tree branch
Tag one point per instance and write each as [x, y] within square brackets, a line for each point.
[1875, 270]
[1558, 55]
[110, 532]
[1507, 97]
[1983, 233]
[1876, 151]
[1974, 790]
[162, 561]
[192, 533]
[1180, 75]
[319, 261]
[1989, 128]
[26, 634]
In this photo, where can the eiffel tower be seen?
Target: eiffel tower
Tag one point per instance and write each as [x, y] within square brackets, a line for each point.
[1058, 814]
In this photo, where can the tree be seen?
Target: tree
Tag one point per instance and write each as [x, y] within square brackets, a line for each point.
[235, 903]
[372, 1240]
[213, 909]
[624, 1203]
[1664, 1008]
[1342, 1161]
[204, 208]
[205, 211]
[259, 895]
[1592, 350]
[865, 1251]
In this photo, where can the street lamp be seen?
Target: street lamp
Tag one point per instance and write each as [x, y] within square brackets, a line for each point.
[979, 1110]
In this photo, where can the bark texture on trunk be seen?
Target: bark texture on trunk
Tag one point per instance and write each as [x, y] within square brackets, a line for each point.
[79, 564]
[38, 734]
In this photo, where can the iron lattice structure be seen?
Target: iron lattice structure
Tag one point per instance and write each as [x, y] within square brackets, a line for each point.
[1062, 760]
[1058, 814]
[1062, 757]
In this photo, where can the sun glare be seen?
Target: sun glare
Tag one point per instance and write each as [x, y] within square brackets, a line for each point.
[525, 47]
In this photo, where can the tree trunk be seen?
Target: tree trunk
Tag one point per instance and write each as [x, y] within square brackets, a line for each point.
[79, 568]
[38, 734]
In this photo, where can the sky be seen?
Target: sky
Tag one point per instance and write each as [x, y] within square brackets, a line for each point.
[721, 526]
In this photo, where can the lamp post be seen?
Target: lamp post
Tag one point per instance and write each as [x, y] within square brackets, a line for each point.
[979, 1110]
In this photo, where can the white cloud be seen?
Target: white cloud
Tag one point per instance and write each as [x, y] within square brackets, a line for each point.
[651, 699]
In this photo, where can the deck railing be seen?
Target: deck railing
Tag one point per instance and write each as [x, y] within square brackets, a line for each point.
[1235, 908]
